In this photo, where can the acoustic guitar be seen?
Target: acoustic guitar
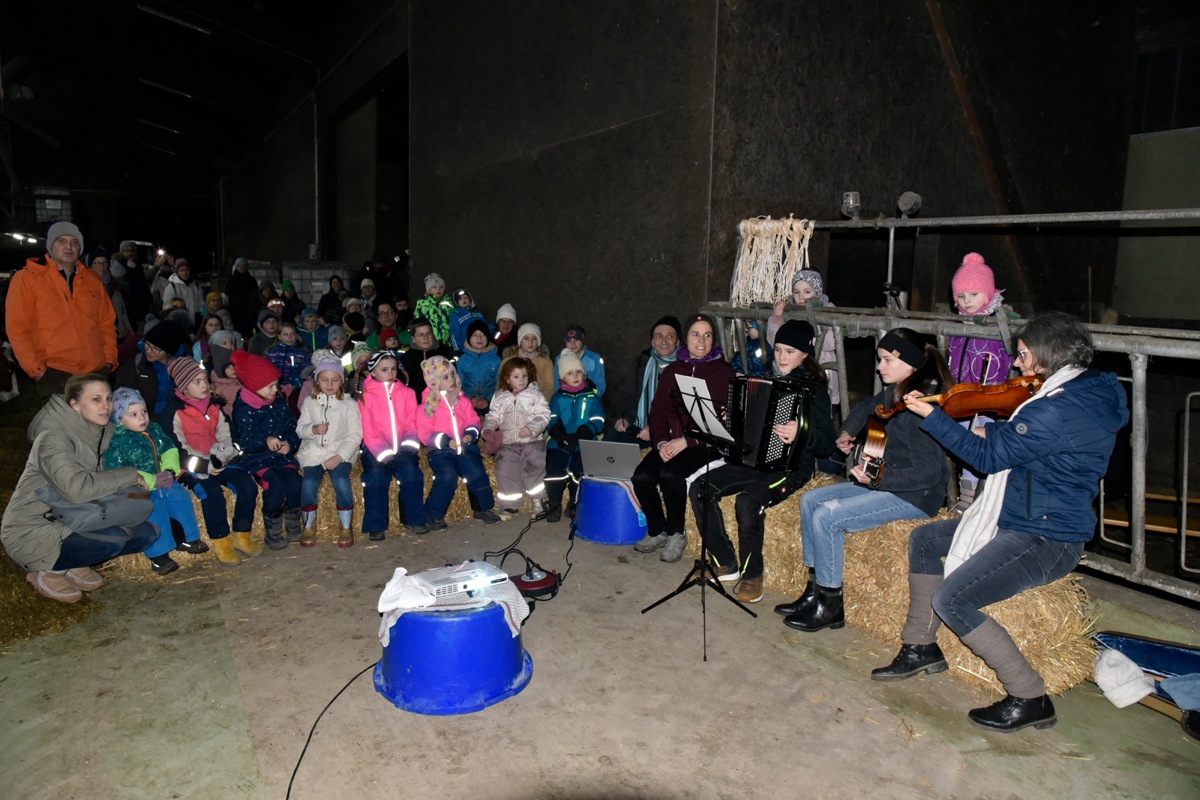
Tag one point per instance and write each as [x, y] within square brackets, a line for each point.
[868, 453]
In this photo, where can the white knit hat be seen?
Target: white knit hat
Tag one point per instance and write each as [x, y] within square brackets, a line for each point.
[506, 311]
[569, 362]
[527, 329]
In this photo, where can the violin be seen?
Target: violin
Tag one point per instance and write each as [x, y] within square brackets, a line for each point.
[968, 399]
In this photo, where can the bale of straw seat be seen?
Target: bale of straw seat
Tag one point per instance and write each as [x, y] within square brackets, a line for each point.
[1051, 624]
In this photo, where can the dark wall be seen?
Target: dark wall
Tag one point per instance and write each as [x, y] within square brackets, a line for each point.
[560, 161]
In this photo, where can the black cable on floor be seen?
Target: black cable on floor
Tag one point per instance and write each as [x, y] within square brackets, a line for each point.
[318, 719]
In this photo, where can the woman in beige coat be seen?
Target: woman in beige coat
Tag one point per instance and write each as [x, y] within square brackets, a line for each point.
[69, 436]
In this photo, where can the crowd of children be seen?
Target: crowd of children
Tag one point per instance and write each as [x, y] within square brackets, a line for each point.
[315, 389]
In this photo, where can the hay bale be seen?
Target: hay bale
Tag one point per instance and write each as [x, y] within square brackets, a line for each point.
[328, 524]
[1051, 624]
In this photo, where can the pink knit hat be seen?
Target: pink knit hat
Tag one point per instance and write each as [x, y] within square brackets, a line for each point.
[974, 276]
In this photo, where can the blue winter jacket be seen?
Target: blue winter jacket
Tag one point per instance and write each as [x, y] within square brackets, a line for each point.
[575, 416]
[594, 364]
[1057, 449]
[252, 426]
[459, 320]
[478, 372]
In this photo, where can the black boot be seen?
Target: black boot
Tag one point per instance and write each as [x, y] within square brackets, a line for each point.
[913, 659]
[800, 603]
[273, 526]
[293, 524]
[163, 565]
[825, 612]
[1014, 713]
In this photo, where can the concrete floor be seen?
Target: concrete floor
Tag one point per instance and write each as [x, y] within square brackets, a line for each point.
[205, 685]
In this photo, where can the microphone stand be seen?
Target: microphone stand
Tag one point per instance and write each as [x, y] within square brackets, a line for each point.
[702, 573]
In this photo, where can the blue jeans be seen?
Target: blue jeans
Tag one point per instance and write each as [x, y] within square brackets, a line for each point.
[78, 550]
[447, 467]
[339, 476]
[280, 488]
[212, 505]
[377, 482]
[172, 504]
[1006, 566]
[827, 514]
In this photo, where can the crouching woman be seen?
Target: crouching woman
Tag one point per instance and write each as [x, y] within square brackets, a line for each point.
[69, 436]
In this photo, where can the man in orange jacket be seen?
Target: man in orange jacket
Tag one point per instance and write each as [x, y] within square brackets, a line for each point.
[60, 319]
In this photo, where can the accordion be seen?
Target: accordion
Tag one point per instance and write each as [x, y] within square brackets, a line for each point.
[756, 406]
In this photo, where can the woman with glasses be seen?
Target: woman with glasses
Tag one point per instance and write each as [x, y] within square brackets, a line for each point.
[147, 372]
[1029, 525]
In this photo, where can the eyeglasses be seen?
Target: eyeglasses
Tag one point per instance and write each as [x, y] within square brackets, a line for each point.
[150, 348]
[1023, 355]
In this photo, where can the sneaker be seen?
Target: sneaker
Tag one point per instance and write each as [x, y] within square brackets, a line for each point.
[749, 590]
[673, 551]
[420, 530]
[489, 517]
[195, 548]
[727, 574]
[539, 507]
[651, 543]
[164, 564]
[438, 524]
[55, 585]
[507, 513]
[85, 578]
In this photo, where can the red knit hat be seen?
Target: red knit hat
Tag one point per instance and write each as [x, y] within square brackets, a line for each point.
[253, 371]
[974, 276]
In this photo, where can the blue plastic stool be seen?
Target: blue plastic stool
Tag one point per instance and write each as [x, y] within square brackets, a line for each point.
[452, 662]
[608, 512]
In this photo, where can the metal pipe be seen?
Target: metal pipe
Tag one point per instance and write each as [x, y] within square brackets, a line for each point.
[1014, 219]
[1155, 580]
[1137, 441]
[891, 257]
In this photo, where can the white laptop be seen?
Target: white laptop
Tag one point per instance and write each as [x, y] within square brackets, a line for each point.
[466, 577]
[613, 460]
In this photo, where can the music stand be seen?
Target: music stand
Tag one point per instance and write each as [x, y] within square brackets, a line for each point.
[702, 574]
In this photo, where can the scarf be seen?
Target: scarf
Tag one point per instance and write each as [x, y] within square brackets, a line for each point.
[650, 384]
[253, 399]
[981, 520]
[686, 357]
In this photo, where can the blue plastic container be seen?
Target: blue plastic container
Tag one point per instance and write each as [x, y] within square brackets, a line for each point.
[608, 513]
[452, 662]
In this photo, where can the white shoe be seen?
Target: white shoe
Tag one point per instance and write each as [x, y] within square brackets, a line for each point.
[676, 542]
[651, 543]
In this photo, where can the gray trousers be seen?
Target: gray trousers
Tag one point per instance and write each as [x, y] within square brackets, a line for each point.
[520, 470]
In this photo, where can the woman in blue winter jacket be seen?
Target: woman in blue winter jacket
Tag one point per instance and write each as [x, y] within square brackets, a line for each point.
[1029, 525]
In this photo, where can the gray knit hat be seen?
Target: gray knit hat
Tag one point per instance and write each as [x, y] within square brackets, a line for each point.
[124, 399]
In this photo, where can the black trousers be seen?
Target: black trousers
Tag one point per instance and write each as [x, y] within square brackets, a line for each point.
[668, 514]
[755, 491]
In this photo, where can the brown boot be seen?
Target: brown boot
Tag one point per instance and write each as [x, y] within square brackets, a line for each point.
[245, 545]
[308, 538]
[223, 547]
[346, 537]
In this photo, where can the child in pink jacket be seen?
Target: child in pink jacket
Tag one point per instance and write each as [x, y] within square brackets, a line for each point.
[390, 448]
[448, 426]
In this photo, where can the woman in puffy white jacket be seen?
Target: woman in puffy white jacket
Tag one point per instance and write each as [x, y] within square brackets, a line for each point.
[514, 430]
[330, 430]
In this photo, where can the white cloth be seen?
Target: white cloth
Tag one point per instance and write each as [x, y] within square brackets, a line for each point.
[979, 521]
[403, 594]
[1121, 680]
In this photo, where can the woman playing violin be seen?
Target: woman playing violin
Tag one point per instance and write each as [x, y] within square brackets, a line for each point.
[912, 483]
[1028, 526]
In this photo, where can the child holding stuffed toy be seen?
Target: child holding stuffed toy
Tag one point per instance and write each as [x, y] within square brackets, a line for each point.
[206, 446]
[330, 430]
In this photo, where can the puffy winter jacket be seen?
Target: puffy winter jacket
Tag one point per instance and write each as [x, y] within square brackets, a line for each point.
[1057, 450]
[252, 425]
[389, 419]
[575, 416]
[345, 432]
[448, 422]
[510, 412]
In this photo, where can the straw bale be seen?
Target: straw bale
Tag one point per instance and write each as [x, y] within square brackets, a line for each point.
[328, 524]
[1050, 624]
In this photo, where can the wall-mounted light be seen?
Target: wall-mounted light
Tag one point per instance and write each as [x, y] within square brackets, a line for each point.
[851, 204]
[909, 204]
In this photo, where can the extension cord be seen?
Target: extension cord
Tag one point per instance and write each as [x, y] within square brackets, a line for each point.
[536, 583]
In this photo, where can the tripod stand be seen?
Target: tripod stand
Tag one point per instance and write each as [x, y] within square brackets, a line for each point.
[702, 573]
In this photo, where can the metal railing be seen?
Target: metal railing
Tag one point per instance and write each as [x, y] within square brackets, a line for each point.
[1139, 344]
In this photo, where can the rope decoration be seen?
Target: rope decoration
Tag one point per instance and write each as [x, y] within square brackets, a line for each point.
[772, 251]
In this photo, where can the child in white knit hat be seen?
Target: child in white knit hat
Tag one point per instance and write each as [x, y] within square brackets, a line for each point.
[529, 345]
[575, 413]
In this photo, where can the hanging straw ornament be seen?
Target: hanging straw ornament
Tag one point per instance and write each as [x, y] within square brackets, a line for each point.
[771, 252]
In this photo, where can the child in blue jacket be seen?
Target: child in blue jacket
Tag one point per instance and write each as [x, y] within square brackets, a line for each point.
[478, 366]
[464, 314]
[265, 429]
[575, 413]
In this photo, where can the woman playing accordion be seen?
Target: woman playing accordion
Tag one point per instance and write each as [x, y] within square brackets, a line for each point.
[757, 490]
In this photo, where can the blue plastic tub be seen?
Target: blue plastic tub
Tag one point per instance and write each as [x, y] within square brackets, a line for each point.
[608, 513]
[452, 662]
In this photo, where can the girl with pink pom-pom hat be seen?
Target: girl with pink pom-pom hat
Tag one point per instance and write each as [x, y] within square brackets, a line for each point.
[976, 360]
